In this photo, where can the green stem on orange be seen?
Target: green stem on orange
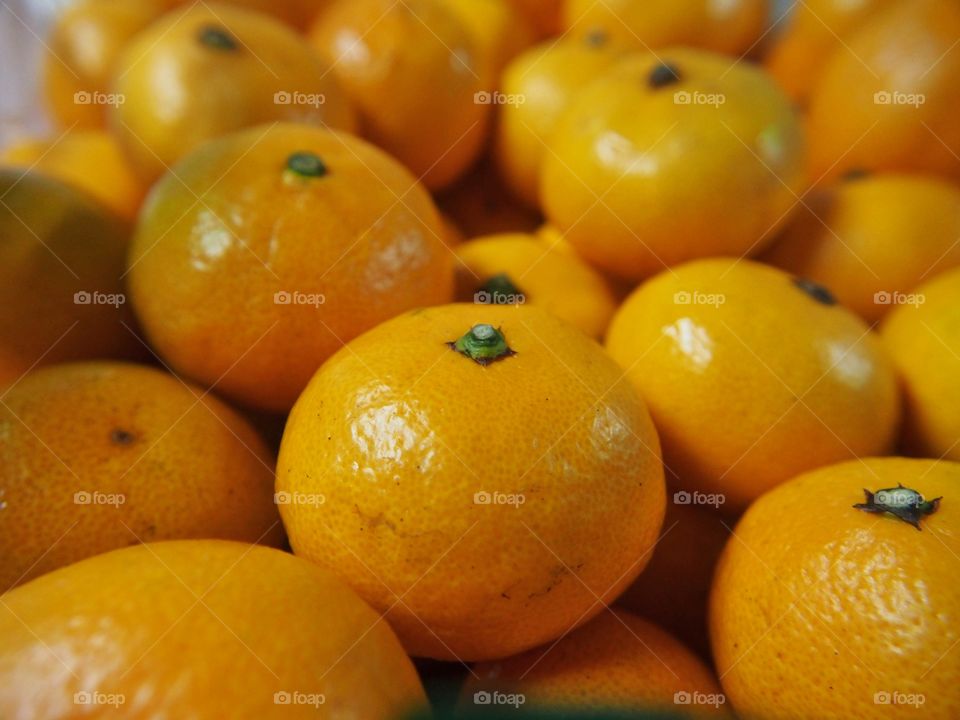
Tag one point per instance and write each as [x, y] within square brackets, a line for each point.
[217, 38]
[483, 344]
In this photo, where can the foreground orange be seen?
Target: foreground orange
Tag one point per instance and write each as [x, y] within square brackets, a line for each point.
[301, 243]
[753, 376]
[111, 454]
[203, 629]
[617, 660]
[487, 496]
[822, 608]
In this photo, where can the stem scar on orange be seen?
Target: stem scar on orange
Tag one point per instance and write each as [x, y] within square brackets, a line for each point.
[487, 498]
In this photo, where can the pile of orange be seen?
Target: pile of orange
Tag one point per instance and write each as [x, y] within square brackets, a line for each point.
[388, 359]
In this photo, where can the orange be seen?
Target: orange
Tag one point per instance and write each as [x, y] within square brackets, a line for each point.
[488, 497]
[814, 31]
[203, 629]
[97, 456]
[670, 157]
[517, 268]
[210, 69]
[820, 609]
[732, 26]
[673, 589]
[543, 15]
[61, 277]
[890, 100]
[536, 88]
[753, 376]
[873, 239]
[480, 205]
[617, 660]
[80, 54]
[301, 239]
[922, 336]
[413, 70]
[89, 160]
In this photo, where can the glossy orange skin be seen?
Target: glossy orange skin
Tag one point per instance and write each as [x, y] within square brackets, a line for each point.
[872, 240]
[89, 160]
[56, 242]
[732, 27]
[412, 69]
[399, 433]
[909, 49]
[179, 464]
[617, 660]
[806, 381]
[639, 180]
[80, 54]
[202, 629]
[347, 252]
[180, 91]
[813, 32]
[819, 609]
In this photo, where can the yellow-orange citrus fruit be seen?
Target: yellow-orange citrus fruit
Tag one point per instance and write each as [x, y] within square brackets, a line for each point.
[923, 338]
[99, 455]
[413, 71]
[203, 629]
[61, 277]
[873, 239]
[753, 376]
[485, 508]
[536, 88]
[731, 26]
[671, 157]
[889, 100]
[80, 53]
[827, 610]
[304, 239]
[90, 160]
[616, 661]
[210, 69]
[518, 268]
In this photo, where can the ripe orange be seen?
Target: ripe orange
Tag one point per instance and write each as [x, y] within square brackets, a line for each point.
[537, 87]
[518, 268]
[203, 629]
[923, 338]
[413, 71]
[670, 157]
[80, 54]
[61, 266]
[96, 456]
[210, 69]
[820, 609]
[873, 239]
[484, 508]
[753, 376]
[890, 101]
[90, 160]
[731, 26]
[303, 239]
[617, 660]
